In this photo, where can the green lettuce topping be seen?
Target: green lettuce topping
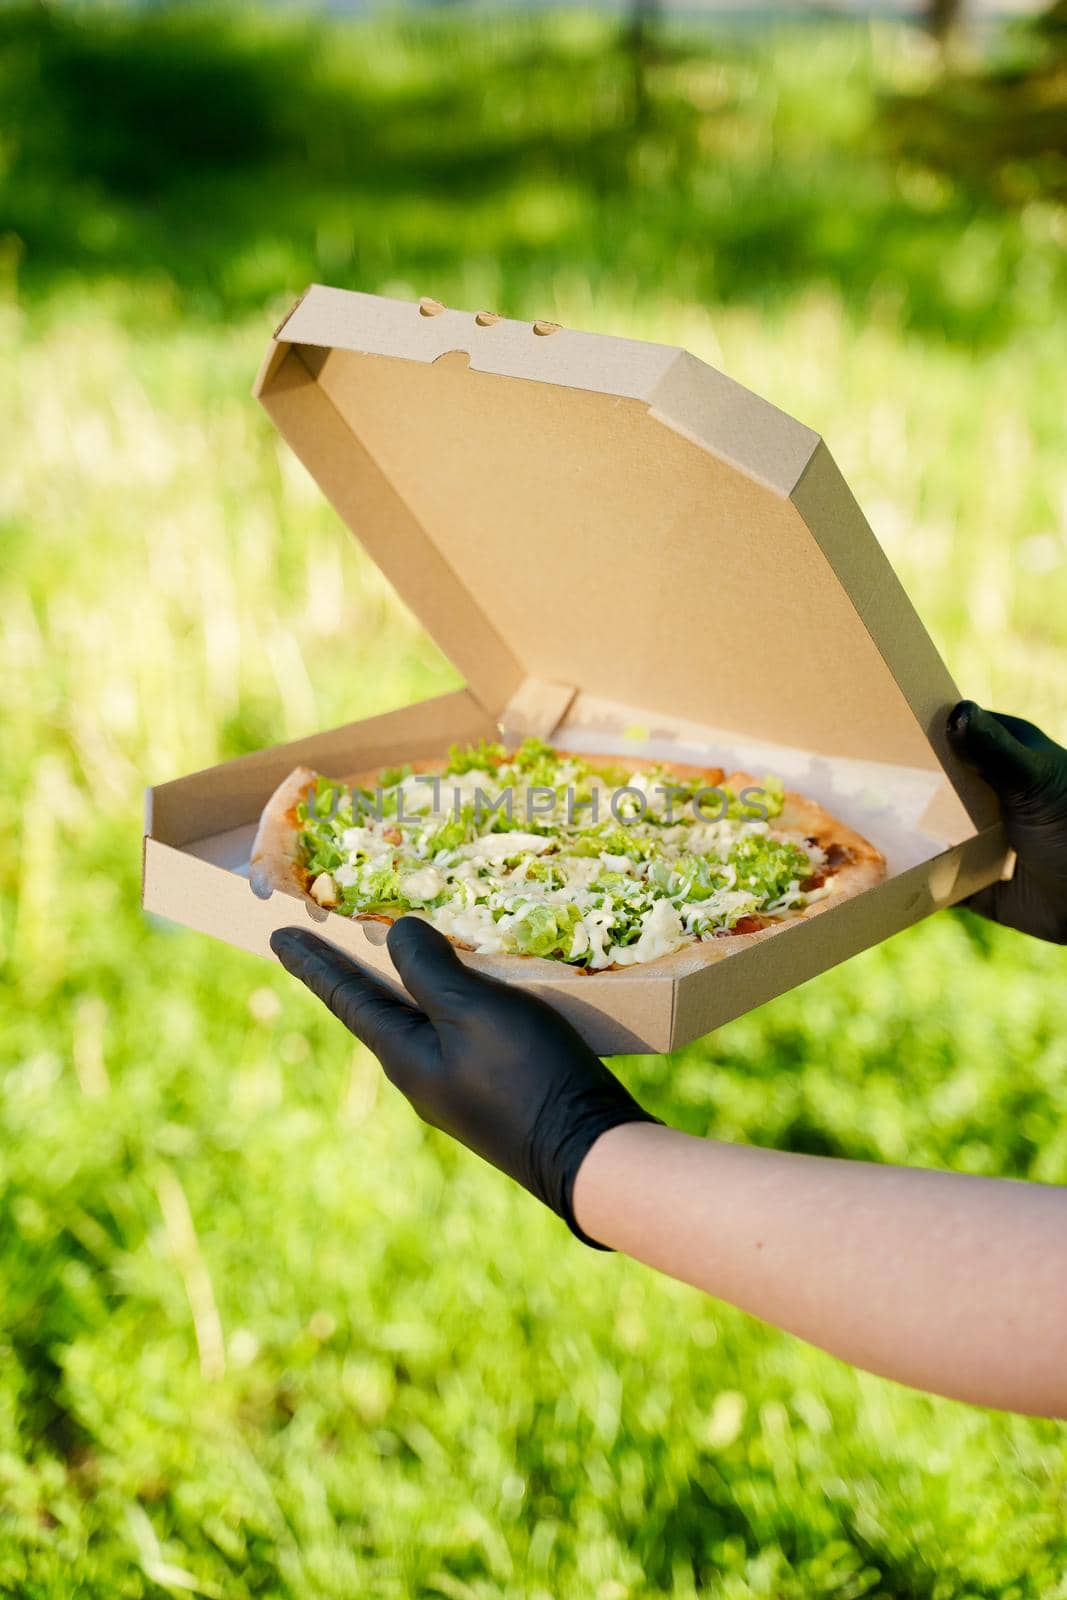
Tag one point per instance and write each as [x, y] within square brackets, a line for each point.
[392, 776]
[480, 757]
[537, 764]
[541, 930]
[323, 816]
[766, 867]
[592, 885]
[450, 835]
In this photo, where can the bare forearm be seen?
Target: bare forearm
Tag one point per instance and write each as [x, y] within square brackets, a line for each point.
[952, 1283]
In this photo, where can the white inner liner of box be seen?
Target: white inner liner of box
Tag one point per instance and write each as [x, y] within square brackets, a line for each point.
[885, 803]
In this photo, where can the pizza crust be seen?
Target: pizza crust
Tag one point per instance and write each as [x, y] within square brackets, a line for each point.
[275, 865]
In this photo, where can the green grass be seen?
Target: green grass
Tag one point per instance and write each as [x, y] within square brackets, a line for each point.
[263, 1333]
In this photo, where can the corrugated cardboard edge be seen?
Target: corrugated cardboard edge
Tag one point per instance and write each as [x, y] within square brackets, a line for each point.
[297, 303]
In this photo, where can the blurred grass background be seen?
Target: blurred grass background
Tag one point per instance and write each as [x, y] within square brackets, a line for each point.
[263, 1333]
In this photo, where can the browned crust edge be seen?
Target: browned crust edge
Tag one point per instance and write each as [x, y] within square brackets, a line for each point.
[274, 863]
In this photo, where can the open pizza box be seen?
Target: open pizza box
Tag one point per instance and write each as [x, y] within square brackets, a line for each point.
[623, 551]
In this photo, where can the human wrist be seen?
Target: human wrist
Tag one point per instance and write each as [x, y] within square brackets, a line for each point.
[599, 1185]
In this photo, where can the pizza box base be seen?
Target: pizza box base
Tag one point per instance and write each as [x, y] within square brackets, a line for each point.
[199, 830]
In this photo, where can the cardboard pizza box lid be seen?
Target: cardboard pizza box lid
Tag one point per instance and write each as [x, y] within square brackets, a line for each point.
[571, 512]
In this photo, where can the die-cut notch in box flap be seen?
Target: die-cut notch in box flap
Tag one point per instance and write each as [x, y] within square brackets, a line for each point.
[614, 517]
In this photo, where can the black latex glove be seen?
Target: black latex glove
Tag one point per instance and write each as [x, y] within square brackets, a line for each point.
[496, 1068]
[1028, 771]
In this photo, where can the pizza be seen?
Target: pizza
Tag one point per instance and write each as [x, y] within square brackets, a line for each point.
[539, 858]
